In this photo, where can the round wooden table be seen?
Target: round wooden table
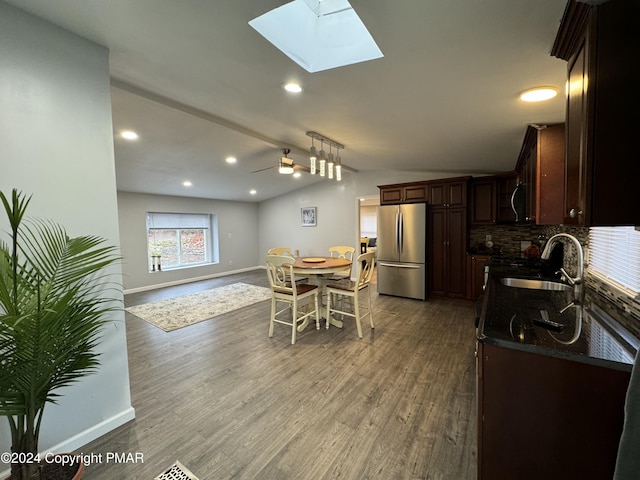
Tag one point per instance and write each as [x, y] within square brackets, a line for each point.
[313, 267]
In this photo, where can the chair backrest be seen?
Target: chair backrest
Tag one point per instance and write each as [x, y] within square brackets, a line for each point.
[342, 251]
[280, 251]
[280, 273]
[366, 262]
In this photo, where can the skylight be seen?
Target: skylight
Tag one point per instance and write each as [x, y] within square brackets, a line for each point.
[318, 34]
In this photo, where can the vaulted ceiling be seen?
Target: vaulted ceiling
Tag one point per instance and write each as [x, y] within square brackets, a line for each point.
[199, 84]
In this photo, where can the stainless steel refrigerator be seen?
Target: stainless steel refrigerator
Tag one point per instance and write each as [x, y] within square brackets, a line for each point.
[402, 250]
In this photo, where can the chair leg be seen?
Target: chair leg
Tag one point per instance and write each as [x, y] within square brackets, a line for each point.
[370, 310]
[315, 297]
[356, 311]
[273, 315]
[329, 297]
[294, 321]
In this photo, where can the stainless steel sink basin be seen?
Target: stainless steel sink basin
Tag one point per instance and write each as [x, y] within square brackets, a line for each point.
[536, 284]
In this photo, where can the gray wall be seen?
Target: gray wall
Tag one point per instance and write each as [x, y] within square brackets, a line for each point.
[237, 228]
[56, 143]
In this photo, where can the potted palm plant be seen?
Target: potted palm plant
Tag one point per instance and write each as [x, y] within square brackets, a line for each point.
[52, 310]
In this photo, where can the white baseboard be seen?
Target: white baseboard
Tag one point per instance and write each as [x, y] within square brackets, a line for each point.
[189, 280]
[76, 442]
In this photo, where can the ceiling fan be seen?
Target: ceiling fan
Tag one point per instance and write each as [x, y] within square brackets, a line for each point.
[285, 165]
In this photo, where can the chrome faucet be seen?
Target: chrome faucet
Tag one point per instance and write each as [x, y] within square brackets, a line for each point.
[578, 279]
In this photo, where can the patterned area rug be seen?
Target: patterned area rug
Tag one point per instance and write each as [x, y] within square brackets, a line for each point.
[178, 312]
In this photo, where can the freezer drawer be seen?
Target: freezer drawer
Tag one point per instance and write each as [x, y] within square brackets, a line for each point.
[402, 279]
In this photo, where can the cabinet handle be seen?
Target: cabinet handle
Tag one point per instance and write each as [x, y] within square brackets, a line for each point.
[573, 213]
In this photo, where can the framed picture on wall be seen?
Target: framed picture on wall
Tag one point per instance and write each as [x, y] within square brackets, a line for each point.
[309, 216]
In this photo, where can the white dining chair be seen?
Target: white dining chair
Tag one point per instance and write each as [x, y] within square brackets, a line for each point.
[284, 289]
[280, 251]
[353, 290]
[341, 251]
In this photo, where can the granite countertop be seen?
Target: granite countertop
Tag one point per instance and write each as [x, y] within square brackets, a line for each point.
[590, 331]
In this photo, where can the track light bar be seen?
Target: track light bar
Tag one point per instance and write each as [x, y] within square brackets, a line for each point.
[322, 138]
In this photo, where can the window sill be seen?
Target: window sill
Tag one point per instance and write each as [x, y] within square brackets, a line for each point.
[183, 267]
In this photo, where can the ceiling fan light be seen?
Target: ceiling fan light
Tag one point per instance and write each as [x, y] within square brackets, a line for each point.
[285, 166]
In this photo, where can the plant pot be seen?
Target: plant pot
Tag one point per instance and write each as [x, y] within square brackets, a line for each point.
[55, 473]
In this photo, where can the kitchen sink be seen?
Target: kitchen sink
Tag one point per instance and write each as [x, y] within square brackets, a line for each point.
[536, 284]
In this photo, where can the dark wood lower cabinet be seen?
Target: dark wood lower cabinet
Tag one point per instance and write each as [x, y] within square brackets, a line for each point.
[542, 417]
[447, 251]
[475, 275]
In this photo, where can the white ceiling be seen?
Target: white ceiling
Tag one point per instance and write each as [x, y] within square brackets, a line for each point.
[198, 84]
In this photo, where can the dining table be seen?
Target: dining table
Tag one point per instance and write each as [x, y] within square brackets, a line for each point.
[315, 268]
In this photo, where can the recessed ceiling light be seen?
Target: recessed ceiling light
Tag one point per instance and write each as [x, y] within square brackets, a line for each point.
[538, 94]
[253, 191]
[231, 159]
[292, 87]
[129, 135]
[297, 175]
[187, 183]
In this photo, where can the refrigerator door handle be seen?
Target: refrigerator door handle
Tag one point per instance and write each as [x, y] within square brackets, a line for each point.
[397, 265]
[397, 234]
[400, 234]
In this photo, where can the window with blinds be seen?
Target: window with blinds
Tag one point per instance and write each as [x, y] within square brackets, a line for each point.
[177, 240]
[615, 254]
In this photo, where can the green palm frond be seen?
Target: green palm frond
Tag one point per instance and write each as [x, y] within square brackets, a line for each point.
[52, 310]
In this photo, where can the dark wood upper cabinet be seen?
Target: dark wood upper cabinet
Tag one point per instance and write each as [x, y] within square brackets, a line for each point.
[483, 201]
[541, 167]
[414, 192]
[600, 44]
[451, 192]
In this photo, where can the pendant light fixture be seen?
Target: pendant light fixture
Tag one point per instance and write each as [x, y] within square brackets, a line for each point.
[323, 159]
[313, 156]
[330, 164]
[326, 165]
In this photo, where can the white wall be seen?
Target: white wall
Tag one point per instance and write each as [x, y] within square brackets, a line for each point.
[56, 143]
[237, 227]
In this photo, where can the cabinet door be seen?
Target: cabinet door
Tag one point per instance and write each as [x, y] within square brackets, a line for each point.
[537, 412]
[475, 275]
[457, 194]
[576, 154]
[437, 194]
[456, 252]
[415, 193]
[437, 250]
[483, 202]
[390, 196]
[550, 185]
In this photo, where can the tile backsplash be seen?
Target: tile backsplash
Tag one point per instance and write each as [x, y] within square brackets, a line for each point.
[507, 240]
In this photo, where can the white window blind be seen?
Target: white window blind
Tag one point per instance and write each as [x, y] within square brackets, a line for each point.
[178, 220]
[615, 253]
[368, 221]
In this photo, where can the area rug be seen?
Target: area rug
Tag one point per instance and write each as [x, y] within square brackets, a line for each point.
[173, 313]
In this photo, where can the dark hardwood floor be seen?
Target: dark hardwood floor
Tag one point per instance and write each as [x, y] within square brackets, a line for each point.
[229, 402]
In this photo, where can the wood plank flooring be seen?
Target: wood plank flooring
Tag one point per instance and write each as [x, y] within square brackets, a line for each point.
[229, 402]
